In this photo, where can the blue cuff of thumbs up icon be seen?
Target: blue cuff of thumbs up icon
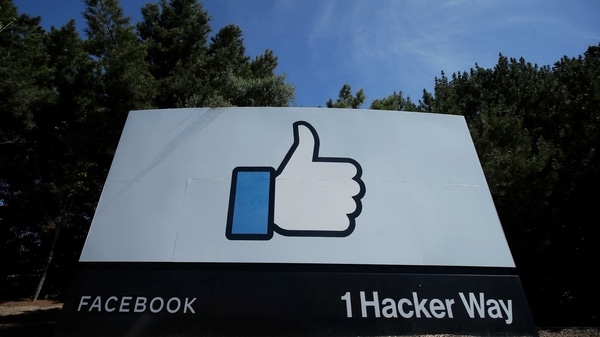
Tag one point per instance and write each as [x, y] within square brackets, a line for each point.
[251, 214]
[307, 195]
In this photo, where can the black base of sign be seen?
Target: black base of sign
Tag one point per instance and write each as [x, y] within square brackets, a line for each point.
[189, 299]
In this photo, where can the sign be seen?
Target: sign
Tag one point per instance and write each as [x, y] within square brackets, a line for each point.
[295, 221]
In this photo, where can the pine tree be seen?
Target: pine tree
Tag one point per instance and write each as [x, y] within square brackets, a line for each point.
[125, 80]
[176, 35]
[346, 99]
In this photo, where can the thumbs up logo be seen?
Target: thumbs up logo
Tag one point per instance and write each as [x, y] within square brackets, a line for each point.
[307, 195]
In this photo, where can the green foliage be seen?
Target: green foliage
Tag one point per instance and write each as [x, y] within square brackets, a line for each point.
[192, 71]
[25, 75]
[47, 183]
[175, 34]
[394, 102]
[347, 100]
[236, 81]
[235, 90]
[126, 82]
[24, 91]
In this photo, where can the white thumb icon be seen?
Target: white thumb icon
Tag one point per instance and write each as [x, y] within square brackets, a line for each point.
[316, 196]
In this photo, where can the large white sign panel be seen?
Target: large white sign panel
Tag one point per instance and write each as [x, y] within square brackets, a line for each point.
[296, 185]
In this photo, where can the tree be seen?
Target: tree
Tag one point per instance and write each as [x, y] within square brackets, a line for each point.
[192, 71]
[176, 35]
[573, 238]
[125, 80]
[237, 81]
[347, 100]
[25, 91]
[70, 163]
[394, 102]
[47, 91]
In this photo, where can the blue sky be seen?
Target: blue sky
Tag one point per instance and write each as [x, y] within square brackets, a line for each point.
[383, 46]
